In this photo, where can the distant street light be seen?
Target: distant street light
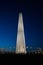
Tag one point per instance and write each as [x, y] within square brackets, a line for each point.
[27, 47]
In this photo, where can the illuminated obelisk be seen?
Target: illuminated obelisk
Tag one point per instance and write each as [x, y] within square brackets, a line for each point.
[20, 43]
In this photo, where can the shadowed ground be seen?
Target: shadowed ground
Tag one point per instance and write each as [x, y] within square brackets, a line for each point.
[29, 58]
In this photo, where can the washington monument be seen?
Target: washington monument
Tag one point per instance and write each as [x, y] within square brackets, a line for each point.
[20, 42]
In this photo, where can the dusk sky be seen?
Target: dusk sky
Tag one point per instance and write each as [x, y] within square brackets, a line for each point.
[32, 18]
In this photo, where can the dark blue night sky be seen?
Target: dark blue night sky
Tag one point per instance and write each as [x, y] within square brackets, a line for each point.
[32, 19]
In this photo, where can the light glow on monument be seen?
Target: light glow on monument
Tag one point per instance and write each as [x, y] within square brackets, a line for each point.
[20, 43]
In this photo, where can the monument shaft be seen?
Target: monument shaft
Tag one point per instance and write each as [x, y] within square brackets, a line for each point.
[20, 44]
